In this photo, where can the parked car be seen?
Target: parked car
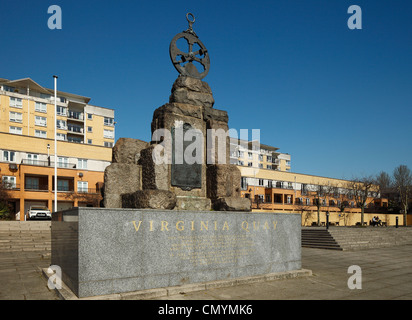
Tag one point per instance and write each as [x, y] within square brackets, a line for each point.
[39, 212]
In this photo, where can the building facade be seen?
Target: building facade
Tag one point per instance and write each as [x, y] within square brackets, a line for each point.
[85, 135]
[268, 181]
[255, 155]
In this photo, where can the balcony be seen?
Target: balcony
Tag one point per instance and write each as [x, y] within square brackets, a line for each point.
[88, 191]
[41, 163]
[11, 186]
[36, 183]
[75, 115]
[75, 130]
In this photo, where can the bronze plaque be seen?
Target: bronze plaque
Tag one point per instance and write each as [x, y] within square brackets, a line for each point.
[184, 175]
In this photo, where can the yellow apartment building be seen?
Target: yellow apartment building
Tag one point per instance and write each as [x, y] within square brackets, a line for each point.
[249, 154]
[85, 135]
[268, 181]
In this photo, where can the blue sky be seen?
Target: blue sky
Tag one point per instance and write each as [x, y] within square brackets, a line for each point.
[338, 100]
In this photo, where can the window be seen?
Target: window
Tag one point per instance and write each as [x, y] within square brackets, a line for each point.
[240, 163]
[109, 134]
[108, 144]
[108, 121]
[75, 115]
[82, 186]
[61, 136]
[61, 111]
[16, 102]
[75, 139]
[268, 166]
[240, 154]
[45, 96]
[89, 116]
[250, 155]
[269, 158]
[243, 183]
[289, 199]
[307, 201]
[16, 130]
[40, 121]
[40, 134]
[90, 129]
[89, 141]
[16, 117]
[261, 165]
[40, 107]
[62, 162]
[250, 164]
[261, 157]
[261, 182]
[32, 183]
[75, 128]
[9, 156]
[62, 185]
[32, 158]
[9, 182]
[82, 163]
[8, 88]
[61, 124]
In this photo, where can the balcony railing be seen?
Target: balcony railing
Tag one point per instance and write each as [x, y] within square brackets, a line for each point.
[76, 115]
[88, 190]
[36, 187]
[42, 163]
[11, 186]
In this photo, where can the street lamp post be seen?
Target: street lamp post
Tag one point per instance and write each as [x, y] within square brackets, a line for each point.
[55, 143]
[327, 220]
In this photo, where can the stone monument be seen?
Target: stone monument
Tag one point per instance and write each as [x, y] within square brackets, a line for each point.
[169, 220]
[135, 180]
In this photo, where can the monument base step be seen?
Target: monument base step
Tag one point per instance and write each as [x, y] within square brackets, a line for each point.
[65, 293]
[193, 203]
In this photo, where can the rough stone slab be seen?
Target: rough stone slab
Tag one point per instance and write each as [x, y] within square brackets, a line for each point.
[120, 178]
[127, 150]
[193, 203]
[149, 199]
[193, 98]
[192, 91]
[191, 84]
[223, 180]
[232, 204]
[154, 176]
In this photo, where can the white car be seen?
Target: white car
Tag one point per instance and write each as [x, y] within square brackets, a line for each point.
[39, 212]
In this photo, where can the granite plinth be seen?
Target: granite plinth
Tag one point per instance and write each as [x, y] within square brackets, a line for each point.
[105, 251]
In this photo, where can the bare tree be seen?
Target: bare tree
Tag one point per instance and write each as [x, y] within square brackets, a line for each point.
[384, 181]
[319, 194]
[302, 207]
[403, 183]
[364, 190]
[341, 194]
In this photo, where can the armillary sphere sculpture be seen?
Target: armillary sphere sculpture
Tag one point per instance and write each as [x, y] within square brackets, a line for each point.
[183, 61]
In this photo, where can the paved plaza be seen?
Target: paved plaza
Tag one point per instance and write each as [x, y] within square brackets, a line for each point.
[386, 273]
